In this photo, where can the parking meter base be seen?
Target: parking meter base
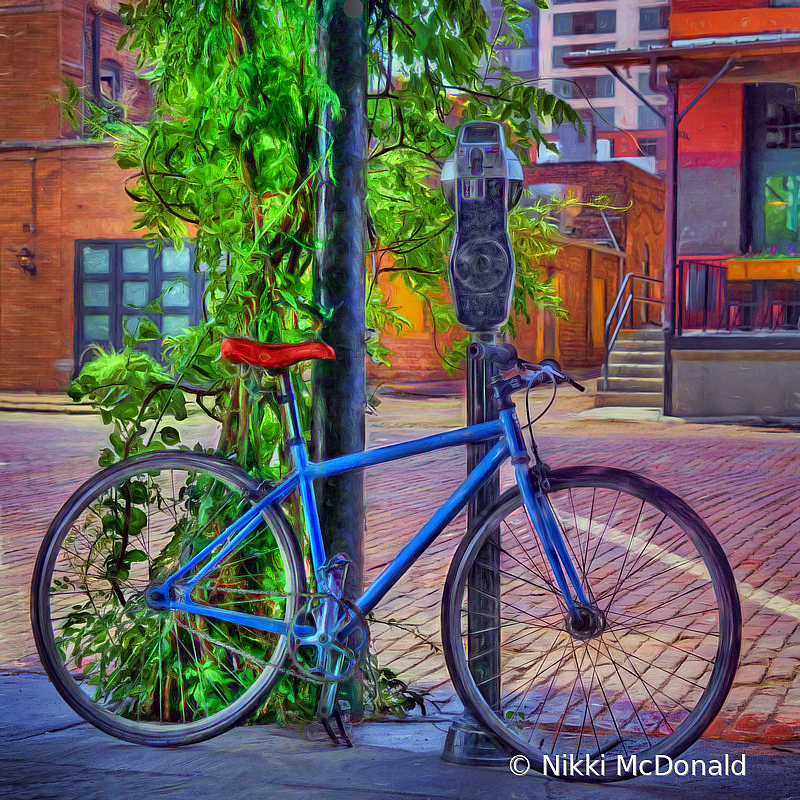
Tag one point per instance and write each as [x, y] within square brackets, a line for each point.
[467, 743]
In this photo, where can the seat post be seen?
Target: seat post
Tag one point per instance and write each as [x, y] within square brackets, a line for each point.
[296, 445]
[288, 403]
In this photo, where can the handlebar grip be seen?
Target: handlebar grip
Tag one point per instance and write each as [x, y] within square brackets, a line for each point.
[504, 355]
[560, 377]
[575, 385]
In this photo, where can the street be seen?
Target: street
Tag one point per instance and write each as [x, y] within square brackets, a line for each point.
[743, 482]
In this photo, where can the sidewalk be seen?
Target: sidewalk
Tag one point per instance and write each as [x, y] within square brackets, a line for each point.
[47, 752]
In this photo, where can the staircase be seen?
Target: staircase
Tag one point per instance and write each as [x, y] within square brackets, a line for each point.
[635, 370]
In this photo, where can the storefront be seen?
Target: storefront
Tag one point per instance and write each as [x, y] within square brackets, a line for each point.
[732, 257]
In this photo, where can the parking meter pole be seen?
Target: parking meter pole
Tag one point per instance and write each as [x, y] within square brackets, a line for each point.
[466, 741]
[483, 604]
[482, 181]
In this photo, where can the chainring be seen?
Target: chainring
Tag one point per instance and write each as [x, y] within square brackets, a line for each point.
[328, 638]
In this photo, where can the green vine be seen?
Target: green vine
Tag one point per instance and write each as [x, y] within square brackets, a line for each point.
[229, 159]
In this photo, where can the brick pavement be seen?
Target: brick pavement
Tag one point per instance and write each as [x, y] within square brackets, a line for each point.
[742, 481]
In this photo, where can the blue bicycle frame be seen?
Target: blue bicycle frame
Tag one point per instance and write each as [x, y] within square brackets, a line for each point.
[510, 443]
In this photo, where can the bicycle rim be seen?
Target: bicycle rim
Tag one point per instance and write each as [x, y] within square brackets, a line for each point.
[161, 677]
[651, 666]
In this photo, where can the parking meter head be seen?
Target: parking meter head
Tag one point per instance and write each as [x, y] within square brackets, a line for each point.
[482, 181]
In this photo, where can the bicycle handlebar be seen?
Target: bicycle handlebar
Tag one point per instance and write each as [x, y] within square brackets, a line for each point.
[506, 357]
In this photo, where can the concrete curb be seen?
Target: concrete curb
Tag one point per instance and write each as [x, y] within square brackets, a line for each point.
[42, 403]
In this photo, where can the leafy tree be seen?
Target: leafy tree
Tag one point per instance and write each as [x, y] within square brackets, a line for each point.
[230, 158]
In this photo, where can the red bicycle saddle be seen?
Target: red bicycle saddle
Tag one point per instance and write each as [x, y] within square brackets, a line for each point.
[273, 356]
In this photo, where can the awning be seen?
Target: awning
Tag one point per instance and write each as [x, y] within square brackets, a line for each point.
[774, 57]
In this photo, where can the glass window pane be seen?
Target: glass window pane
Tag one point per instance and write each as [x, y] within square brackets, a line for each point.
[96, 327]
[135, 293]
[131, 324]
[651, 19]
[527, 29]
[96, 261]
[648, 147]
[562, 24]
[563, 89]
[522, 59]
[96, 293]
[605, 118]
[173, 324]
[136, 259]
[782, 212]
[580, 47]
[173, 261]
[604, 86]
[648, 119]
[176, 293]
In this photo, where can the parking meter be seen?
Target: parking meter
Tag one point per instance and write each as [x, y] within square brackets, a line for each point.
[482, 181]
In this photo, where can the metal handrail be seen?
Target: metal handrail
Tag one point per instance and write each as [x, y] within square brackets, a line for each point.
[626, 291]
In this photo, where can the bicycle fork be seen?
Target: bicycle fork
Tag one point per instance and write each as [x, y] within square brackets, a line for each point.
[545, 524]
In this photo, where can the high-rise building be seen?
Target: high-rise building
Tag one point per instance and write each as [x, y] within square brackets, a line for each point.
[611, 111]
[523, 60]
[614, 116]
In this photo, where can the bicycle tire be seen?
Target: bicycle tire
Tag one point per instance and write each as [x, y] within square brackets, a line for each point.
[161, 677]
[658, 661]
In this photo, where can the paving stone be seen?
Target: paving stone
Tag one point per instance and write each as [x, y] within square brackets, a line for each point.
[742, 481]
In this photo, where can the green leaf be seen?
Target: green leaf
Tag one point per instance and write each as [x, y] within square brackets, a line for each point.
[147, 330]
[169, 435]
[107, 457]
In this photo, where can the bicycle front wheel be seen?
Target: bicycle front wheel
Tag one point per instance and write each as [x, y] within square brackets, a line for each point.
[148, 675]
[651, 661]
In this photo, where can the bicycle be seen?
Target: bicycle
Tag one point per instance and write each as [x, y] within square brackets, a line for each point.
[590, 614]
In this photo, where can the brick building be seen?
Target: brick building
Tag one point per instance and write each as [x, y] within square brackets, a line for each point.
[70, 261]
[71, 264]
[598, 248]
[732, 255]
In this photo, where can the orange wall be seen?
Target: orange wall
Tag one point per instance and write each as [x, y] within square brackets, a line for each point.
[711, 133]
[705, 21]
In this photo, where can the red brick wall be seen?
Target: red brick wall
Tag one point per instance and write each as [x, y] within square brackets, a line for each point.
[30, 72]
[41, 50]
[63, 194]
[638, 195]
[53, 195]
[575, 345]
[414, 355]
[414, 352]
[580, 270]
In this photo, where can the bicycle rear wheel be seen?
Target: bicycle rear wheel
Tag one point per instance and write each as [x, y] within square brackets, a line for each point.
[648, 671]
[162, 677]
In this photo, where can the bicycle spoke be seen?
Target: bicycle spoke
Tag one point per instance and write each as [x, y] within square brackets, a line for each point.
[626, 669]
[534, 568]
[155, 673]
